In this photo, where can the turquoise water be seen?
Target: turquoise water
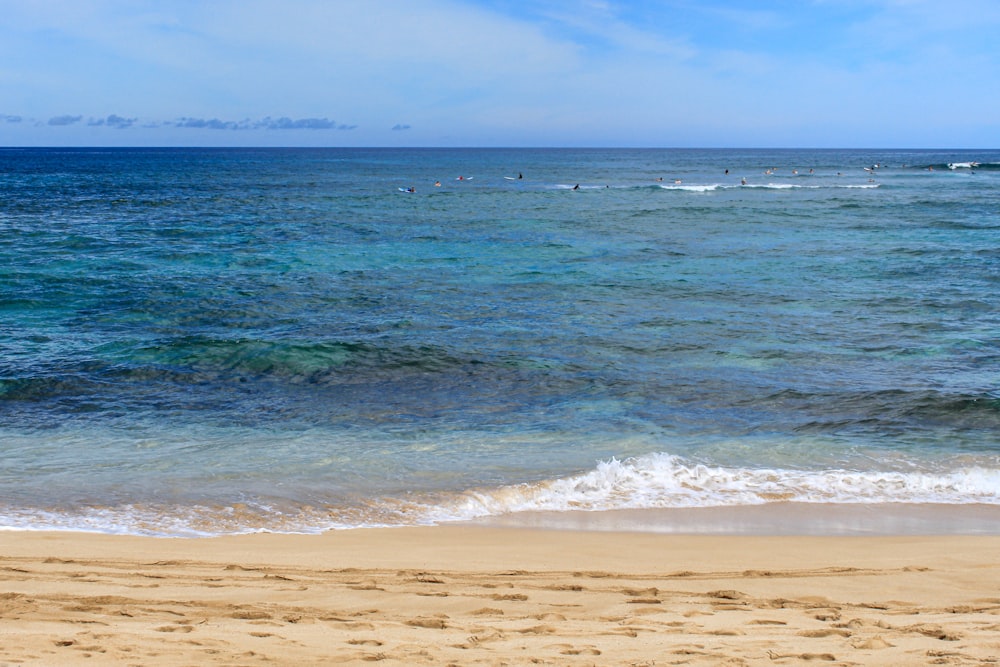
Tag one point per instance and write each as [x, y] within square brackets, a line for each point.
[204, 341]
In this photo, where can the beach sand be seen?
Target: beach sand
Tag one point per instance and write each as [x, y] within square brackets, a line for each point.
[477, 595]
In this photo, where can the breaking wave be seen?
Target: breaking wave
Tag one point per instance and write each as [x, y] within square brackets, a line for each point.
[656, 481]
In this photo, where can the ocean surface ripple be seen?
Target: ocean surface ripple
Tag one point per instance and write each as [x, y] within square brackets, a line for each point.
[209, 341]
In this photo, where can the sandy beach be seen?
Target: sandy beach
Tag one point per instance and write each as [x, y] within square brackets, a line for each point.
[473, 595]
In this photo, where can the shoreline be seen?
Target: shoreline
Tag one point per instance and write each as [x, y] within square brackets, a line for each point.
[473, 594]
[778, 518]
[772, 518]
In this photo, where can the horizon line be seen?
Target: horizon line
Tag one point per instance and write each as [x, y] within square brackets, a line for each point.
[513, 147]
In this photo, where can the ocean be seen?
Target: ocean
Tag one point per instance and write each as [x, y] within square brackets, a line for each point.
[200, 342]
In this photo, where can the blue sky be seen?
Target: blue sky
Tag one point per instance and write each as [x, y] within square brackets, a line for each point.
[658, 73]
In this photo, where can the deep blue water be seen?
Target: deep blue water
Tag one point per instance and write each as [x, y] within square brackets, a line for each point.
[219, 340]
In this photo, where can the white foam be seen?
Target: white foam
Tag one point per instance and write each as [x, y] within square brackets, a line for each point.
[793, 186]
[656, 481]
[713, 187]
[663, 481]
[693, 188]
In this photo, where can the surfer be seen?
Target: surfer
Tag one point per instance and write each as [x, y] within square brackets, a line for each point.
[519, 176]
[743, 181]
[437, 184]
[576, 187]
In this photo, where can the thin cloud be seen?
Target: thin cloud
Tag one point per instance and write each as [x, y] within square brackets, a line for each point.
[285, 123]
[267, 123]
[115, 121]
[400, 127]
[212, 124]
[65, 120]
[12, 119]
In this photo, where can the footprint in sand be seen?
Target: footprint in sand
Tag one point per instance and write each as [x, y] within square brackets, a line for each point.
[827, 632]
[250, 615]
[514, 597]
[175, 628]
[549, 617]
[432, 623]
[827, 657]
[872, 643]
[487, 611]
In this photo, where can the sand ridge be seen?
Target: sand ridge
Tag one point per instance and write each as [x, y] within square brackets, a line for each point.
[211, 602]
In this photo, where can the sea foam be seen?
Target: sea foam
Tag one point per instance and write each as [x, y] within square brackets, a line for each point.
[662, 481]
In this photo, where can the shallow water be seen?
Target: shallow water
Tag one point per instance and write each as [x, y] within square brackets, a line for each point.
[201, 341]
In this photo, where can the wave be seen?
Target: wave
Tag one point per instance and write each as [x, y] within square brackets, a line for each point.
[767, 186]
[969, 165]
[287, 358]
[993, 166]
[579, 186]
[664, 481]
[695, 188]
[888, 411]
[655, 481]
[205, 358]
[715, 187]
[792, 186]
